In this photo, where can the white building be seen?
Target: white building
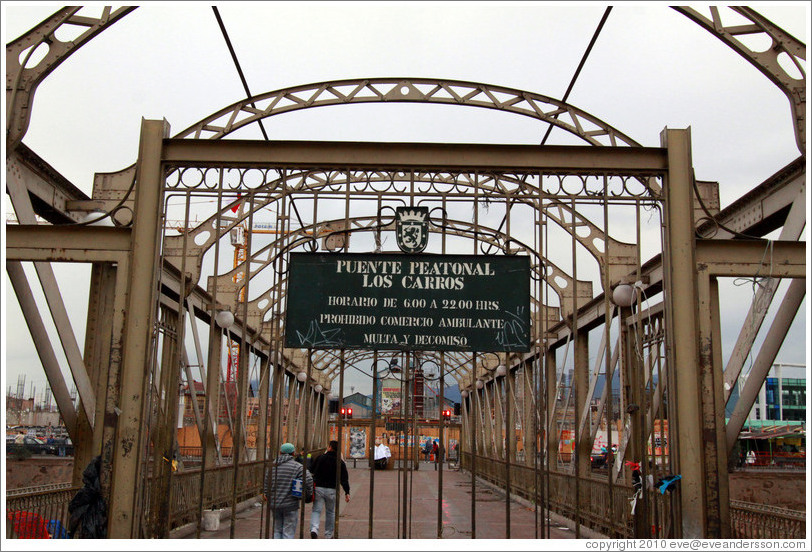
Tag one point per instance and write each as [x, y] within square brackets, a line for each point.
[783, 395]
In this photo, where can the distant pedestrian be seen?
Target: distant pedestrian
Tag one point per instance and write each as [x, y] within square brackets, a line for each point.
[436, 452]
[427, 450]
[751, 458]
[324, 473]
[281, 492]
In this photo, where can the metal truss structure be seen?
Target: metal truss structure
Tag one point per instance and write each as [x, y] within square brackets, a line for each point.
[594, 218]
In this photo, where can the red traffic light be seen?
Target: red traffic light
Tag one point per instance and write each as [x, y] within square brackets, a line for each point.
[446, 413]
[346, 412]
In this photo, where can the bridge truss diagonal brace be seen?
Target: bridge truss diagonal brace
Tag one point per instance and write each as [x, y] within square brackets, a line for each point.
[792, 230]
[46, 353]
[18, 192]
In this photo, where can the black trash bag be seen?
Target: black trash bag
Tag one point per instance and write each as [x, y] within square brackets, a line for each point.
[88, 512]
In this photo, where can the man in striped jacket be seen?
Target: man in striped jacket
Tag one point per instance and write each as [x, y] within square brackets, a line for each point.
[278, 483]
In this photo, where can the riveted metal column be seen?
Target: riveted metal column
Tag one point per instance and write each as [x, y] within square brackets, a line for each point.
[582, 446]
[213, 395]
[681, 305]
[164, 439]
[123, 420]
[529, 424]
[551, 427]
[510, 443]
[712, 405]
[98, 337]
[262, 423]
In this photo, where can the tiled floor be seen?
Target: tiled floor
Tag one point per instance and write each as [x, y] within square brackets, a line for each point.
[422, 515]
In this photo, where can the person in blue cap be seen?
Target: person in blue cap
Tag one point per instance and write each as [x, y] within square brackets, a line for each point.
[283, 495]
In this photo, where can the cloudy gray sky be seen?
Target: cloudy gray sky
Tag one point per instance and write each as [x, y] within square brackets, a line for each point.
[651, 68]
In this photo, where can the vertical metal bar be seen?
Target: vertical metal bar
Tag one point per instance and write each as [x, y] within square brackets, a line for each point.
[304, 399]
[164, 440]
[609, 374]
[510, 435]
[411, 444]
[405, 450]
[209, 451]
[98, 338]
[372, 446]
[713, 454]
[123, 410]
[474, 423]
[679, 261]
[441, 423]
[341, 422]
[264, 393]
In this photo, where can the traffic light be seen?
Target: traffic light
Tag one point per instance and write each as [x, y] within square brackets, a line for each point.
[447, 413]
[346, 413]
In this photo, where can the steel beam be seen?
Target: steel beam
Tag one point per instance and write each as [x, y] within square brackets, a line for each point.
[99, 331]
[761, 210]
[16, 186]
[766, 356]
[792, 230]
[679, 261]
[123, 436]
[769, 259]
[713, 407]
[42, 343]
[620, 160]
[74, 244]
[51, 194]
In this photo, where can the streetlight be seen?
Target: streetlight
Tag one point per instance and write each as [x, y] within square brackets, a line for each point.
[224, 319]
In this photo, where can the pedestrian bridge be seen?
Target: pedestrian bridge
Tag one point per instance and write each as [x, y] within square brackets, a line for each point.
[554, 305]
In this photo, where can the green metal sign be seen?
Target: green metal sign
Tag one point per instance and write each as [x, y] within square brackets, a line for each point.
[408, 302]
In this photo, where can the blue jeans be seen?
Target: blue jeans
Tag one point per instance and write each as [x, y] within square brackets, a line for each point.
[284, 524]
[326, 499]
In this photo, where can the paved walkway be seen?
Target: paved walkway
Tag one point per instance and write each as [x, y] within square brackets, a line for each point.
[422, 516]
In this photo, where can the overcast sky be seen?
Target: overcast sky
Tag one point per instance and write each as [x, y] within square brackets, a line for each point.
[651, 68]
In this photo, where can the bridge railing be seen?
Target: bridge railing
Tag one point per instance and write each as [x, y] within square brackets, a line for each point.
[39, 512]
[217, 493]
[758, 521]
[42, 512]
[593, 510]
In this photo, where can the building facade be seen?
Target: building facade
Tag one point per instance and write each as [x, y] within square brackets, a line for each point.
[783, 395]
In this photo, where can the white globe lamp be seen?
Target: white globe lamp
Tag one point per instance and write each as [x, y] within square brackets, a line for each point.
[224, 319]
[623, 295]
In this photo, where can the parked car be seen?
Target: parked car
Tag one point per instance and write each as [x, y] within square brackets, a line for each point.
[60, 446]
[31, 444]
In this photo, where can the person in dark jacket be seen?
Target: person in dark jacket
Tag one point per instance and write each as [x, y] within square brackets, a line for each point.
[278, 483]
[324, 474]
